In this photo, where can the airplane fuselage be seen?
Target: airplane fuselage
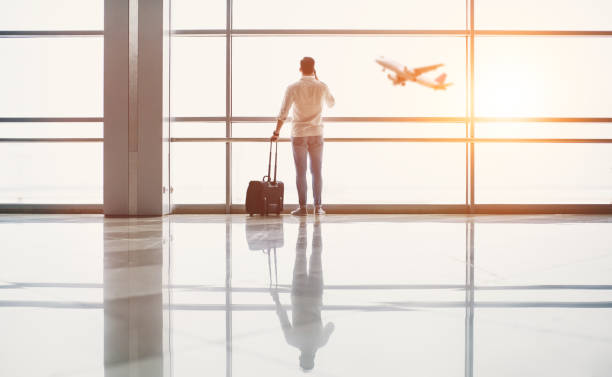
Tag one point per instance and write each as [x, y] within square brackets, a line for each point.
[403, 74]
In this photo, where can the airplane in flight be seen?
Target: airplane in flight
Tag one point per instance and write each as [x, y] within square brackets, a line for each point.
[403, 74]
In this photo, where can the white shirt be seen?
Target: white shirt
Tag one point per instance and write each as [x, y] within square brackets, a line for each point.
[306, 96]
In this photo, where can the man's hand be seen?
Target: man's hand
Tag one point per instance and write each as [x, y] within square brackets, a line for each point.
[275, 134]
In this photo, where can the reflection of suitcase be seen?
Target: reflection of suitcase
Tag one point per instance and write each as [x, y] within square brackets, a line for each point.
[273, 282]
[266, 235]
[266, 196]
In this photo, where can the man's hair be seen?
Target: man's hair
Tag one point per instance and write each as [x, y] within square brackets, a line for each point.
[307, 65]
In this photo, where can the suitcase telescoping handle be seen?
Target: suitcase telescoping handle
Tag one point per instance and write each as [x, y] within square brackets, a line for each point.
[270, 162]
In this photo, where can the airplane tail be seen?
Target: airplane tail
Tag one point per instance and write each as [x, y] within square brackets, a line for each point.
[440, 79]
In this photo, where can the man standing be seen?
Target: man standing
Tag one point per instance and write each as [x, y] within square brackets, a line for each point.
[306, 96]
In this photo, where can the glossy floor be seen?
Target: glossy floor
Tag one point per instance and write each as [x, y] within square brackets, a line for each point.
[340, 296]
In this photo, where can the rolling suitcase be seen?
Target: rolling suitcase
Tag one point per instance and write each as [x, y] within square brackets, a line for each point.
[266, 196]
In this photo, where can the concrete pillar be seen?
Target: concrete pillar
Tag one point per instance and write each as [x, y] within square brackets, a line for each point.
[134, 107]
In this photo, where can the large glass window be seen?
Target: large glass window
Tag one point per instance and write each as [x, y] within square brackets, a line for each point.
[349, 14]
[66, 173]
[197, 76]
[52, 15]
[197, 82]
[543, 14]
[51, 101]
[264, 66]
[538, 64]
[51, 77]
[359, 172]
[198, 14]
[53, 172]
[198, 173]
[52, 130]
[344, 182]
[362, 130]
[544, 173]
[543, 76]
[364, 175]
[536, 76]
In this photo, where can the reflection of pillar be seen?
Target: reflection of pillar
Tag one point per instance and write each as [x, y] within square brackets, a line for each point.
[133, 303]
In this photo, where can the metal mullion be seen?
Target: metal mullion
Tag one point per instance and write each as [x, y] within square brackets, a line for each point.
[244, 119]
[49, 208]
[365, 32]
[52, 140]
[405, 208]
[282, 32]
[199, 32]
[559, 33]
[470, 140]
[260, 119]
[204, 32]
[50, 33]
[362, 119]
[467, 106]
[170, 120]
[51, 120]
[543, 119]
[198, 119]
[228, 105]
[472, 187]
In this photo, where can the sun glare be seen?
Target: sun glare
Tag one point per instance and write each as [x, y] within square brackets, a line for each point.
[502, 91]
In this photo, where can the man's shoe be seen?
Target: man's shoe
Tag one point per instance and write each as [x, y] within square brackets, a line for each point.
[319, 211]
[301, 211]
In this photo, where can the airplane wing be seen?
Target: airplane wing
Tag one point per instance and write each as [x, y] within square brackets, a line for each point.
[421, 70]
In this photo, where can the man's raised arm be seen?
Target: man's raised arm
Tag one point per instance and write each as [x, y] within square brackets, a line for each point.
[329, 99]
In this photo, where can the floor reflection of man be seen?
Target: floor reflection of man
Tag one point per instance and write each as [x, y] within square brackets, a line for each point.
[307, 332]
